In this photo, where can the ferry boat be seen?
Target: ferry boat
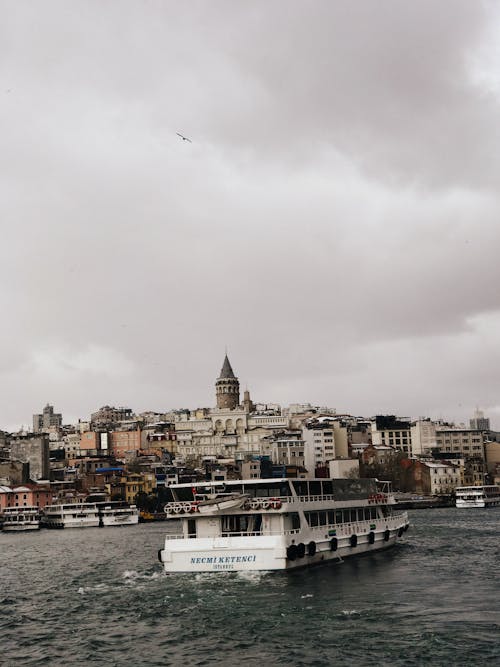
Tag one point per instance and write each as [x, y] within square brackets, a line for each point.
[118, 514]
[278, 524]
[20, 518]
[71, 515]
[478, 496]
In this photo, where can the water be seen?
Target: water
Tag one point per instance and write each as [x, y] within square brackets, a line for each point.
[99, 597]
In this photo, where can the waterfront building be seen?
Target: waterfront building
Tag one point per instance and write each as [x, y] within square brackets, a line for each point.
[27, 495]
[431, 477]
[47, 420]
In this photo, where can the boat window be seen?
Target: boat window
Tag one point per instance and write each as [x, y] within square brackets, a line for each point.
[191, 528]
[235, 523]
[338, 516]
[312, 519]
[295, 520]
[353, 516]
[185, 494]
[327, 488]
[322, 518]
[331, 516]
[300, 488]
[314, 488]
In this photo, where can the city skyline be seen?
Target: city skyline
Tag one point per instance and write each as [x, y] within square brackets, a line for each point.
[333, 217]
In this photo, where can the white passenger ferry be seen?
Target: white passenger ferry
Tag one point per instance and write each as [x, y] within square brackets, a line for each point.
[118, 514]
[278, 524]
[71, 515]
[20, 518]
[478, 496]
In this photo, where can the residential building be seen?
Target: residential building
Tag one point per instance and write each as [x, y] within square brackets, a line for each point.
[109, 416]
[324, 440]
[28, 495]
[390, 431]
[32, 449]
[465, 442]
[423, 437]
[125, 445]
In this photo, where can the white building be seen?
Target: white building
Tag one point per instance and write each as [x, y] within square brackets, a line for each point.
[323, 442]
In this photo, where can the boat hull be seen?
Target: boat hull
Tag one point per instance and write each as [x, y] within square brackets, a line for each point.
[129, 520]
[21, 527]
[73, 523]
[264, 553]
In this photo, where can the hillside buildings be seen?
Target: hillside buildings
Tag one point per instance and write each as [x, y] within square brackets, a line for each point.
[123, 454]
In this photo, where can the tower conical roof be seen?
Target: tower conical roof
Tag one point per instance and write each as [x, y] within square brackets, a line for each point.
[227, 371]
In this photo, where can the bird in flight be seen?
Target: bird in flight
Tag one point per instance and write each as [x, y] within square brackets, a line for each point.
[183, 137]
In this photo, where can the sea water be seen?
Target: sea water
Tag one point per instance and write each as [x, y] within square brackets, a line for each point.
[99, 597]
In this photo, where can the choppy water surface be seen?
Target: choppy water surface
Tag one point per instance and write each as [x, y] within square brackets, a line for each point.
[99, 597]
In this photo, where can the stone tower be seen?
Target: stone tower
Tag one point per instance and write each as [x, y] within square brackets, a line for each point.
[227, 387]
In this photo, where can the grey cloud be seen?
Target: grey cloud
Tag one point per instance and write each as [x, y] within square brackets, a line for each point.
[334, 221]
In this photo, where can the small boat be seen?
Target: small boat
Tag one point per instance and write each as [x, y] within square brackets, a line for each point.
[118, 514]
[20, 518]
[478, 496]
[71, 515]
[221, 501]
[278, 524]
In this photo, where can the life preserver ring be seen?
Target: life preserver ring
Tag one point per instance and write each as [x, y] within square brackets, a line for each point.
[265, 504]
[387, 535]
[334, 544]
[275, 503]
[254, 504]
[353, 540]
[177, 508]
[291, 552]
[301, 550]
[311, 548]
[186, 507]
[371, 537]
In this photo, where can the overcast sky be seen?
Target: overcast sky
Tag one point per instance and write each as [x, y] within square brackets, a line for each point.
[335, 221]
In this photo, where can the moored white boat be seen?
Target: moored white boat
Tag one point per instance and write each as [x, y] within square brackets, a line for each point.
[71, 515]
[20, 518]
[478, 496]
[280, 524]
[118, 514]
